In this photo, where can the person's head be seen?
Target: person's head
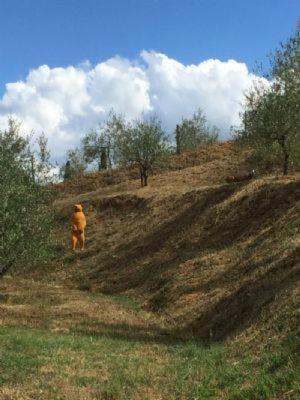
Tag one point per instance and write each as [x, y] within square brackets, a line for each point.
[77, 207]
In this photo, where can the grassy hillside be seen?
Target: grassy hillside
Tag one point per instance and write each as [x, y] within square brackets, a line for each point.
[188, 289]
[210, 256]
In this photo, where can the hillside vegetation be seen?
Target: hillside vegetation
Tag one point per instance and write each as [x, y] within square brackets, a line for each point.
[188, 289]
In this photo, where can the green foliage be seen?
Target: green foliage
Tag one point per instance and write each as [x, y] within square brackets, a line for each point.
[75, 165]
[97, 145]
[140, 143]
[271, 119]
[195, 132]
[66, 171]
[25, 214]
[44, 166]
[95, 148]
[40, 163]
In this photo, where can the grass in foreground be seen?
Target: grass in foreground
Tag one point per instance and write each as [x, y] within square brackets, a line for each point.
[38, 364]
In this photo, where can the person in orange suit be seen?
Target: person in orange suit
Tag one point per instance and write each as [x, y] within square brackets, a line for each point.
[78, 227]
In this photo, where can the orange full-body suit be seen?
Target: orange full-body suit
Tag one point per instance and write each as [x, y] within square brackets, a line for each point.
[78, 226]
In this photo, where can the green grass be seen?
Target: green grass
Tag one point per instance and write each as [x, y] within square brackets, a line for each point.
[224, 372]
[128, 302]
[57, 366]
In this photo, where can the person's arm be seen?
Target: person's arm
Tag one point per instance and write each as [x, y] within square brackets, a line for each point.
[74, 225]
[84, 221]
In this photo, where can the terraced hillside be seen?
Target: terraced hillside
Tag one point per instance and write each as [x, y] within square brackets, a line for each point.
[210, 255]
[188, 289]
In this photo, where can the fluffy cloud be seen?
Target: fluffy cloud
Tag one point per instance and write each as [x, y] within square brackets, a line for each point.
[66, 102]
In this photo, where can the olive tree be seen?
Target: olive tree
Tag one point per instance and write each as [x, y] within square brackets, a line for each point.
[41, 166]
[194, 132]
[96, 147]
[271, 118]
[75, 165]
[141, 143]
[25, 205]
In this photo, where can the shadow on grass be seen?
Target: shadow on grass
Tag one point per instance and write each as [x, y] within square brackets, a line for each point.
[112, 269]
[243, 305]
[123, 272]
[249, 215]
[135, 333]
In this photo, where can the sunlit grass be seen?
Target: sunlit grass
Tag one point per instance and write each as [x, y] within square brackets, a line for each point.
[104, 367]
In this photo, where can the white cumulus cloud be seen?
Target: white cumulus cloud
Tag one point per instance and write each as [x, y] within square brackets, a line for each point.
[65, 103]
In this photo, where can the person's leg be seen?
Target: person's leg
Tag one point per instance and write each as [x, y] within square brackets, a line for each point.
[81, 238]
[74, 240]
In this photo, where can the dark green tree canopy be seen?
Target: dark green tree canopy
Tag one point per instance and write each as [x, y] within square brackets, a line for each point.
[96, 147]
[25, 213]
[195, 132]
[271, 118]
[140, 142]
[75, 165]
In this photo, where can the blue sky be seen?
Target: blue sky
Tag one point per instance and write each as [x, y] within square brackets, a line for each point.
[63, 32]
[167, 57]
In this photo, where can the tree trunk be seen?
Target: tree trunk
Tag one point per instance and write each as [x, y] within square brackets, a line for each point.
[145, 178]
[67, 172]
[178, 141]
[103, 158]
[142, 179]
[32, 169]
[286, 155]
[6, 268]
[109, 157]
[142, 176]
[286, 161]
